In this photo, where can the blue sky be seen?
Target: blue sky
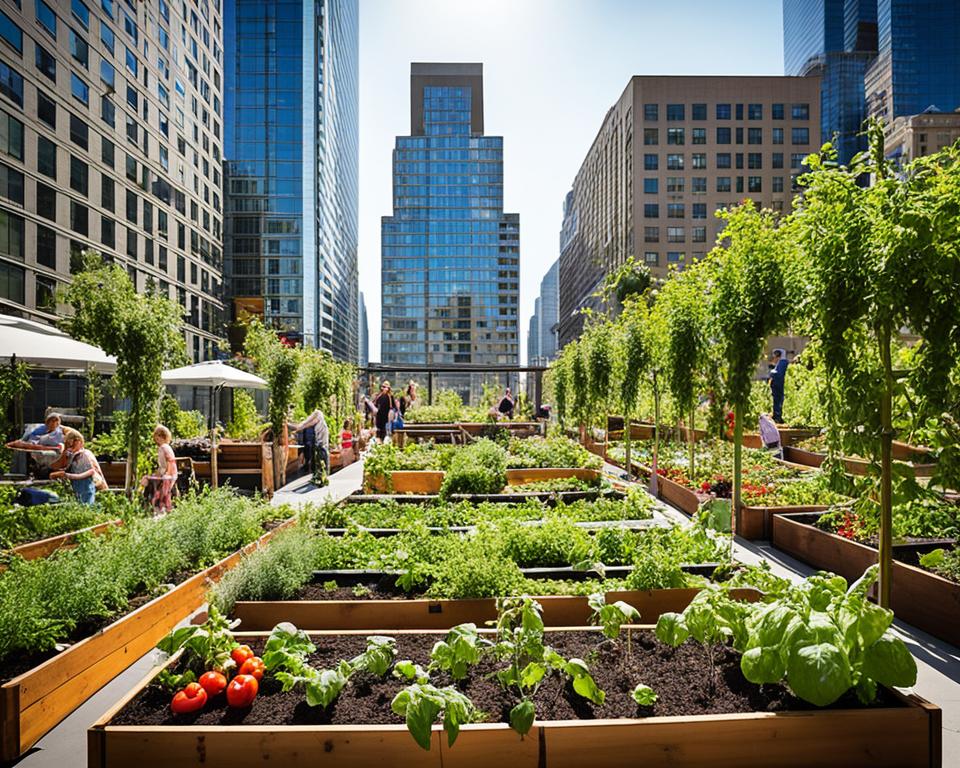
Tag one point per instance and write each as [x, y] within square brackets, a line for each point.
[552, 68]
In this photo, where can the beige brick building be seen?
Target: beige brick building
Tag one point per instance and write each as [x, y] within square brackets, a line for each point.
[111, 138]
[921, 135]
[669, 153]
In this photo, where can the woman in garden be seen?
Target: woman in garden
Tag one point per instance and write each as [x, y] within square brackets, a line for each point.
[346, 442]
[409, 398]
[166, 478]
[383, 404]
[83, 471]
[507, 404]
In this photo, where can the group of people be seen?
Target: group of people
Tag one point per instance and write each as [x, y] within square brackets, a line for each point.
[60, 454]
[387, 409]
[315, 439]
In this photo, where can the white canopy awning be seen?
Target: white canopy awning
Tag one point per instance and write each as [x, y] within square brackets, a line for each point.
[212, 373]
[46, 347]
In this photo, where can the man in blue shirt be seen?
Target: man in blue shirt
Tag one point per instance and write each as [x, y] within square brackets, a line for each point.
[778, 375]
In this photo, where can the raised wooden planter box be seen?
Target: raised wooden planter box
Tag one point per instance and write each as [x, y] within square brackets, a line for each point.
[558, 610]
[34, 550]
[788, 436]
[407, 481]
[851, 466]
[521, 476]
[907, 736]
[918, 597]
[756, 523]
[34, 702]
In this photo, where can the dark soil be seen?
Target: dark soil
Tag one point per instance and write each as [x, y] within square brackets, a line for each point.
[684, 679]
[367, 592]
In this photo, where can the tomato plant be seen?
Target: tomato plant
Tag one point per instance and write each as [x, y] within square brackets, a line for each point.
[241, 691]
[192, 698]
[213, 683]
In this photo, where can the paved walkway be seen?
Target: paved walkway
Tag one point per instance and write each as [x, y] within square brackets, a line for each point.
[938, 662]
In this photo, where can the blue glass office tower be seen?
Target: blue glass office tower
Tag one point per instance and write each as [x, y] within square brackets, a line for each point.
[918, 63]
[291, 144]
[450, 255]
[837, 40]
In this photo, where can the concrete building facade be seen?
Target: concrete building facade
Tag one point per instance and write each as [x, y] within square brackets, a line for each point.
[671, 152]
[111, 127]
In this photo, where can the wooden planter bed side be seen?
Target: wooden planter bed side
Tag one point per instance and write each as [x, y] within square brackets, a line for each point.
[788, 436]
[851, 466]
[922, 599]
[756, 523]
[407, 481]
[521, 476]
[34, 550]
[558, 611]
[36, 701]
[909, 736]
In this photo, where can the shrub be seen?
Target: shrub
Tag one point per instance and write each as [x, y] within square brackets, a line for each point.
[477, 468]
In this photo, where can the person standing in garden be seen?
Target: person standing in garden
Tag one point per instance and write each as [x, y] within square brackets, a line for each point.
[507, 404]
[383, 404]
[409, 398]
[166, 478]
[83, 470]
[778, 375]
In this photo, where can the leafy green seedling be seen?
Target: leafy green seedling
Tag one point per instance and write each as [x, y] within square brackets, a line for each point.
[644, 695]
[611, 616]
[420, 704]
[460, 650]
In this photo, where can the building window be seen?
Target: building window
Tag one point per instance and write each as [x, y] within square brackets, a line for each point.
[131, 207]
[132, 134]
[675, 235]
[699, 210]
[11, 32]
[778, 135]
[739, 111]
[107, 152]
[79, 131]
[724, 160]
[651, 162]
[800, 111]
[675, 136]
[699, 111]
[755, 111]
[675, 112]
[107, 193]
[11, 136]
[47, 18]
[723, 183]
[699, 160]
[79, 173]
[11, 84]
[777, 110]
[699, 136]
[46, 202]
[79, 49]
[80, 12]
[108, 74]
[46, 157]
[108, 112]
[108, 232]
[739, 160]
[723, 112]
[11, 276]
[79, 218]
[11, 184]
[796, 160]
[739, 183]
[131, 61]
[46, 247]
[131, 242]
[755, 161]
[723, 135]
[778, 183]
[674, 257]
[777, 160]
[651, 257]
[699, 234]
[739, 135]
[675, 211]
[651, 111]
[698, 185]
[46, 63]
[107, 38]
[755, 136]
[754, 184]
[651, 234]
[674, 162]
[651, 136]
[46, 109]
[799, 135]
[45, 293]
[675, 184]
[79, 89]
[651, 211]
[651, 186]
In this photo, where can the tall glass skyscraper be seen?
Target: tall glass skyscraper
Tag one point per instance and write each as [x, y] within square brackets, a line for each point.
[291, 143]
[450, 255]
[837, 40]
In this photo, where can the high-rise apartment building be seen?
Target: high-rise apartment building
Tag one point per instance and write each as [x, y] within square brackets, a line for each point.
[364, 334]
[533, 334]
[542, 336]
[669, 153]
[110, 138]
[918, 60]
[450, 255]
[291, 143]
[837, 40]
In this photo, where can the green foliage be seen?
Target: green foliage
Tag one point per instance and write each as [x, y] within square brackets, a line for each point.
[681, 302]
[553, 451]
[246, 423]
[204, 647]
[644, 695]
[14, 382]
[183, 424]
[943, 562]
[421, 703]
[459, 651]
[480, 467]
[143, 331]
[19, 525]
[447, 409]
[610, 616]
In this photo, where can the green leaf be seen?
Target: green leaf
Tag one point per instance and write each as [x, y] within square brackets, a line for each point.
[763, 664]
[457, 710]
[522, 716]
[818, 673]
[586, 686]
[671, 629]
[889, 662]
[324, 687]
[933, 559]
[644, 695]
[421, 711]
[532, 674]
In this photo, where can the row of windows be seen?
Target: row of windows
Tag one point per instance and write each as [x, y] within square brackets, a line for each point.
[677, 112]
[724, 135]
[698, 161]
[698, 184]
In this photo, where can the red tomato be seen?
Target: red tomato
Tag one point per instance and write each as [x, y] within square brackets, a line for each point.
[190, 699]
[240, 654]
[253, 666]
[213, 683]
[242, 691]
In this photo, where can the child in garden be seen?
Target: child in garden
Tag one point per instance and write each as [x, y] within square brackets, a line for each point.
[83, 471]
[166, 478]
[346, 442]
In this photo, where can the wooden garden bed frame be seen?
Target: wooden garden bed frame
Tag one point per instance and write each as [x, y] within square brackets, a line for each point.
[907, 736]
[852, 466]
[918, 597]
[429, 481]
[558, 610]
[34, 550]
[36, 701]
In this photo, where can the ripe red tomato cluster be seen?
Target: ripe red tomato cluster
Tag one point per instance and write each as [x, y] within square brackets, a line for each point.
[241, 691]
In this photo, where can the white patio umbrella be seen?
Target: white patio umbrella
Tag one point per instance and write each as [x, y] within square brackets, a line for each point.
[216, 375]
[48, 348]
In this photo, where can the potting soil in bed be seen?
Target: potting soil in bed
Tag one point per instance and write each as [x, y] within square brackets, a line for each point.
[685, 680]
